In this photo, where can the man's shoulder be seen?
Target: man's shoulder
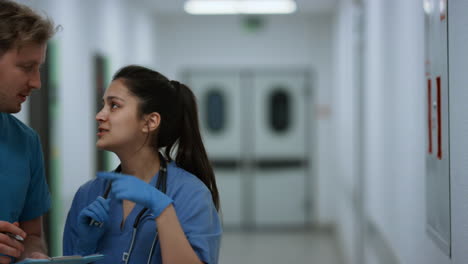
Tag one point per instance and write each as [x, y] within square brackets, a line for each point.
[18, 128]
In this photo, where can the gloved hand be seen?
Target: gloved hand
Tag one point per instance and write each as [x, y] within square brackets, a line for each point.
[127, 187]
[89, 231]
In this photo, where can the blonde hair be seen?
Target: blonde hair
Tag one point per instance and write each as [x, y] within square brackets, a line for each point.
[20, 25]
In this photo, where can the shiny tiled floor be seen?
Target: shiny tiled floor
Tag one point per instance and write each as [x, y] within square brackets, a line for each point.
[295, 247]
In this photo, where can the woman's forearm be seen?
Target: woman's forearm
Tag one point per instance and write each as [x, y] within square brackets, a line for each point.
[175, 247]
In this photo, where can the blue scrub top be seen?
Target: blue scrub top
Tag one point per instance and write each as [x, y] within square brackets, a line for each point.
[24, 192]
[192, 202]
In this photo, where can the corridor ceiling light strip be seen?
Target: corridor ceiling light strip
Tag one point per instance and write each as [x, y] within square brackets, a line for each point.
[428, 6]
[231, 7]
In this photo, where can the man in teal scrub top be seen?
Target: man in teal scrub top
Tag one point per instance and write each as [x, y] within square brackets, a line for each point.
[23, 189]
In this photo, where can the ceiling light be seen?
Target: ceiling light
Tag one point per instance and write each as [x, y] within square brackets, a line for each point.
[229, 7]
[428, 7]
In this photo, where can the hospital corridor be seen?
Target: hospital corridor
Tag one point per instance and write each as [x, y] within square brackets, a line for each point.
[337, 130]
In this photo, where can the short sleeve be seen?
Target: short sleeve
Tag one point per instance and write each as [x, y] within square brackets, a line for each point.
[201, 223]
[37, 201]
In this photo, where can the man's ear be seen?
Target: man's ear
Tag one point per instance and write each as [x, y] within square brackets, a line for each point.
[153, 121]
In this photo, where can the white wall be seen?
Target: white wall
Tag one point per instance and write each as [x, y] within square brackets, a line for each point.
[284, 41]
[343, 143]
[395, 129]
[458, 59]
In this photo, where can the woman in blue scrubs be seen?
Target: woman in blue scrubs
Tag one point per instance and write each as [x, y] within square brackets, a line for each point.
[144, 113]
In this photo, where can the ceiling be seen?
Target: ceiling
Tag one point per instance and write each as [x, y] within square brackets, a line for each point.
[171, 7]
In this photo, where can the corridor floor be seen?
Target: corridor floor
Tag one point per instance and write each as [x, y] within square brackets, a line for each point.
[271, 248]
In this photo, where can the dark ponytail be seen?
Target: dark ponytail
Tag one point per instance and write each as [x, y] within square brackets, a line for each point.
[179, 127]
[191, 153]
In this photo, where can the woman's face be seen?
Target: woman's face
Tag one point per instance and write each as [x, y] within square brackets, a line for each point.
[120, 127]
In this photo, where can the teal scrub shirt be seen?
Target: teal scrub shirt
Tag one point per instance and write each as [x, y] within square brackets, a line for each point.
[192, 202]
[23, 191]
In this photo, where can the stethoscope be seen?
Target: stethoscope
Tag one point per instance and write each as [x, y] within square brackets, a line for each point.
[160, 185]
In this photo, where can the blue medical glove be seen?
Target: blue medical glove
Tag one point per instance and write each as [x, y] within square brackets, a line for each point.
[92, 222]
[127, 187]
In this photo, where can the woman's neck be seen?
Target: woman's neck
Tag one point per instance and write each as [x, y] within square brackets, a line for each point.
[143, 164]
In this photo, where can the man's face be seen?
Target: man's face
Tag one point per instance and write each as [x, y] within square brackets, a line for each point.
[19, 75]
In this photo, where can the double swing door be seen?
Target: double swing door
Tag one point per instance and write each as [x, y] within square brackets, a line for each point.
[254, 126]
